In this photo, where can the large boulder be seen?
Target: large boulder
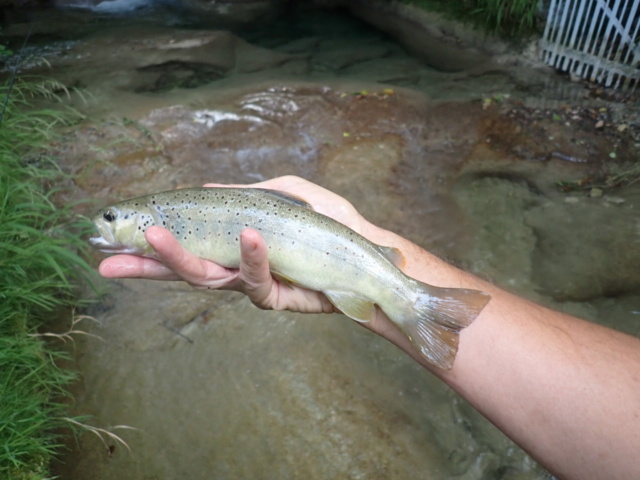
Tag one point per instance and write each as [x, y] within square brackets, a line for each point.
[441, 43]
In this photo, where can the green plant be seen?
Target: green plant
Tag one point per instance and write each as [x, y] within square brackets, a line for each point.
[4, 51]
[502, 17]
[41, 264]
[32, 394]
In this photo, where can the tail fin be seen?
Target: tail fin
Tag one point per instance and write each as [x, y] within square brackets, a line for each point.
[439, 315]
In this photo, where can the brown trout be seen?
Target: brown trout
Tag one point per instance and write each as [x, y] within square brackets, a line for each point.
[306, 248]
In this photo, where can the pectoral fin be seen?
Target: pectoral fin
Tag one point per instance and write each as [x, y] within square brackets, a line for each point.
[352, 306]
[284, 280]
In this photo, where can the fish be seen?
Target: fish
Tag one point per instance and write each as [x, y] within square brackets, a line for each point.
[305, 248]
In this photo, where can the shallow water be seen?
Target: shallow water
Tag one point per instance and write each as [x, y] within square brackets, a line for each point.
[218, 389]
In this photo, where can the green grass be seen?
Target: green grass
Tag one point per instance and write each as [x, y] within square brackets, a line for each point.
[40, 265]
[507, 18]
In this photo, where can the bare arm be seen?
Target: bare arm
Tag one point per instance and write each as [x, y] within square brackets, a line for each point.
[566, 390]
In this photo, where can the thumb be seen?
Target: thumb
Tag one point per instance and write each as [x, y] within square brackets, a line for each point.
[254, 269]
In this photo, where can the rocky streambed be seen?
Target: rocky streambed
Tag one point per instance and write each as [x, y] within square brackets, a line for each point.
[495, 165]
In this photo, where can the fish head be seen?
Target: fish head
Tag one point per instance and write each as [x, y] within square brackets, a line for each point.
[121, 229]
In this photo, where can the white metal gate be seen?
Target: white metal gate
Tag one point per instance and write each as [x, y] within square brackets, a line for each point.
[598, 40]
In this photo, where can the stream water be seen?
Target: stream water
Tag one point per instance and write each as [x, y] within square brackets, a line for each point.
[465, 163]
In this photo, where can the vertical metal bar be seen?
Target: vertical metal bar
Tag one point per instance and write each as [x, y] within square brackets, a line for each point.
[614, 33]
[550, 18]
[596, 18]
[598, 35]
[628, 58]
[567, 34]
[610, 13]
[578, 29]
[548, 31]
[561, 25]
[597, 39]
[553, 32]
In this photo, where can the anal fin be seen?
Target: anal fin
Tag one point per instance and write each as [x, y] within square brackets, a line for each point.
[352, 306]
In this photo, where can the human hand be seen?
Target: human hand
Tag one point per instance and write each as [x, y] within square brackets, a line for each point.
[253, 278]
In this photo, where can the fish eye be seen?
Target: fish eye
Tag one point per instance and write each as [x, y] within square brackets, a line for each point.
[109, 216]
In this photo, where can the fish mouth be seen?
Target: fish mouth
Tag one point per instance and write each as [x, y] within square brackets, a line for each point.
[107, 246]
[106, 241]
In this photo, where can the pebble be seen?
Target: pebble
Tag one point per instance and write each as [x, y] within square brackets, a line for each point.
[614, 200]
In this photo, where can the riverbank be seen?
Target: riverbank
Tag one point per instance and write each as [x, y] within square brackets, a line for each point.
[41, 264]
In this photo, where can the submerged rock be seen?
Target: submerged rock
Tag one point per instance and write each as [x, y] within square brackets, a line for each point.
[218, 388]
[160, 60]
[236, 11]
[441, 43]
[580, 256]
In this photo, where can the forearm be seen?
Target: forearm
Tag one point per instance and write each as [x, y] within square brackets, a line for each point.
[566, 390]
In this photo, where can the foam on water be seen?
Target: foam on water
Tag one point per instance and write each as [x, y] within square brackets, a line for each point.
[112, 6]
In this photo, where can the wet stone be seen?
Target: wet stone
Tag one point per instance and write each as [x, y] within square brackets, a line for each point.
[220, 389]
[570, 260]
[503, 242]
[171, 319]
[171, 75]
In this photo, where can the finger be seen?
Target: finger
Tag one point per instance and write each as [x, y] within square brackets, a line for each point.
[231, 185]
[254, 269]
[284, 182]
[188, 267]
[131, 266]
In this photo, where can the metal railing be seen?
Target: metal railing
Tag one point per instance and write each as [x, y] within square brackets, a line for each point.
[598, 40]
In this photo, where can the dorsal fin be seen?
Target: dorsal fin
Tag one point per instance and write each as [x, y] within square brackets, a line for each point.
[394, 255]
[287, 197]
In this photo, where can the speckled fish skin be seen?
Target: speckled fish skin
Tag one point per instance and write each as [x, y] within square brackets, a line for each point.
[305, 247]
